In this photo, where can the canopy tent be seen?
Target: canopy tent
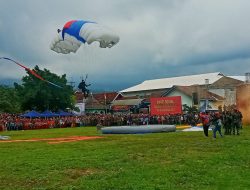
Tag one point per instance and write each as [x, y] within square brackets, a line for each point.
[63, 113]
[48, 113]
[31, 114]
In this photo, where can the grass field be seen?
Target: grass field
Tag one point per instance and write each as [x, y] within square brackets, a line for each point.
[180, 160]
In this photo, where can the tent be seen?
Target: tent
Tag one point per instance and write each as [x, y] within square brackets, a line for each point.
[63, 113]
[48, 113]
[31, 114]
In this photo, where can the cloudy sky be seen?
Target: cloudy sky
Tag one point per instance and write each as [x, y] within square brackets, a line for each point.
[158, 39]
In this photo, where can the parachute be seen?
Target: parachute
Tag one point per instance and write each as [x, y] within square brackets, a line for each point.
[31, 71]
[78, 32]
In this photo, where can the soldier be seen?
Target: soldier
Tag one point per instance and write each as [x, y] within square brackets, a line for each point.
[240, 118]
[83, 87]
[236, 121]
[225, 122]
[228, 123]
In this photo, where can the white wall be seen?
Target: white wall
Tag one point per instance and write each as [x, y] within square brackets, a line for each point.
[184, 98]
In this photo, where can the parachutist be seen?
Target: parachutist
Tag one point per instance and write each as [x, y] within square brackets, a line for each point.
[82, 86]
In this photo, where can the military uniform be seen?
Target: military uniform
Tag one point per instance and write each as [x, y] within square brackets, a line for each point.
[236, 122]
[228, 123]
[225, 122]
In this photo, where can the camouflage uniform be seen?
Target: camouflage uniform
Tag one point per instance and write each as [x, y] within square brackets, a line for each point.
[240, 118]
[228, 123]
[225, 122]
[236, 122]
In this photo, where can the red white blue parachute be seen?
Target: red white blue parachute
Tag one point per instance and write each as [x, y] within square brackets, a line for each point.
[77, 32]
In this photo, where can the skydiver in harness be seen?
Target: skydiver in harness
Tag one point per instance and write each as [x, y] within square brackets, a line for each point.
[82, 86]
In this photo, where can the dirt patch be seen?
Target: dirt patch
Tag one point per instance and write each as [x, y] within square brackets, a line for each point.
[77, 172]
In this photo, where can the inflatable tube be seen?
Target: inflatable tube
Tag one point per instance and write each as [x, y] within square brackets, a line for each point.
[4, 137]
[138, 129]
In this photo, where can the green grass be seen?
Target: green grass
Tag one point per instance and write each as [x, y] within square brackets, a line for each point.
[180, 160]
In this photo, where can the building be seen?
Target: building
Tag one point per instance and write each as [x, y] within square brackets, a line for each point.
[214, 88]
[196, 96]
[205, 91]
[151, 86]
[95, 103]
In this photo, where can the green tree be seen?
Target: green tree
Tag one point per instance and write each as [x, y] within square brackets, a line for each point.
[9, 100]
[189, 109]
[40, 95]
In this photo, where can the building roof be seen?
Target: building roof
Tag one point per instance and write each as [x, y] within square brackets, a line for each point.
[100, 97]
[127, 102]
[92, 103]
[169, 82]
[201, 92]
[241, 78]
[225, 83]
[109, 96]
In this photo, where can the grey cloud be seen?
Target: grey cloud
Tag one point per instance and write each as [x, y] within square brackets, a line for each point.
[158, 39]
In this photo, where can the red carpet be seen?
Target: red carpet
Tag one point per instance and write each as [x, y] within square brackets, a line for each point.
[56, 140]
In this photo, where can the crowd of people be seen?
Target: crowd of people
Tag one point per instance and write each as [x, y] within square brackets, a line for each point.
[230, 120]
[16, 122]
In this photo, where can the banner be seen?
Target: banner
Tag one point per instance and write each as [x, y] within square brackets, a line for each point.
[165, 105]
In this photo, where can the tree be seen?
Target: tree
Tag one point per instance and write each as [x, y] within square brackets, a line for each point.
[9, 100]
[40, 95]
[189, 109]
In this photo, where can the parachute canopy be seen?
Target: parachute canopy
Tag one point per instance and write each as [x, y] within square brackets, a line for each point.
[76, 32]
